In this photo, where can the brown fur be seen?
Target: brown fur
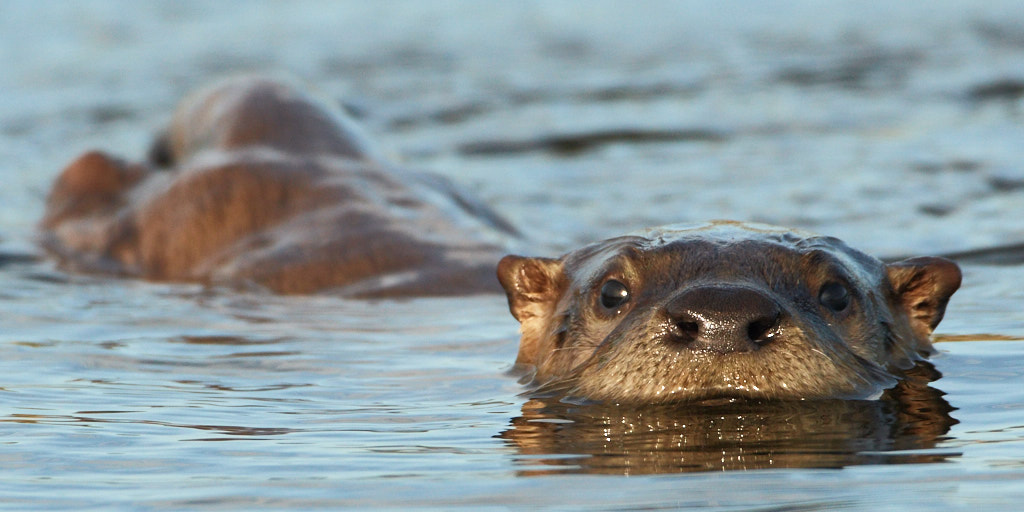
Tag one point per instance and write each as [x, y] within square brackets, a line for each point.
[256, 183]
[644, 350]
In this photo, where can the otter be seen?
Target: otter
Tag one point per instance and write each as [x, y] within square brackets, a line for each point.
[723, 310]
[256, 184]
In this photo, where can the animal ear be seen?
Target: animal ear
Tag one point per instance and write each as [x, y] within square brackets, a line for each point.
[923, 286]
[533, 286]
[530, 283]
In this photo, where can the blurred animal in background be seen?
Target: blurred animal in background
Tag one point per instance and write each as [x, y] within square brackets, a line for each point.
[256, 183]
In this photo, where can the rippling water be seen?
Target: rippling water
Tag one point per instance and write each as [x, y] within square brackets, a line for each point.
[895, 127]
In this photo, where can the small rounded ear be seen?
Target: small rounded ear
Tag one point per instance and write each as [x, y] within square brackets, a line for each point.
[924, 286]
[530, 283]
[533, 286]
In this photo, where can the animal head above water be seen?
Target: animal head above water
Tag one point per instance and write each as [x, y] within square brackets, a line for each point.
[723, 310]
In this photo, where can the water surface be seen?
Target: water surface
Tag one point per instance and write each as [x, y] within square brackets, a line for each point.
[895, 127]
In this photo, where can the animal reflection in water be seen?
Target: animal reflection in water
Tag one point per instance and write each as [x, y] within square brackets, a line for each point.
[553, 436]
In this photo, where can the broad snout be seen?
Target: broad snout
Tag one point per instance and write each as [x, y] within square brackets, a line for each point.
[723, 319]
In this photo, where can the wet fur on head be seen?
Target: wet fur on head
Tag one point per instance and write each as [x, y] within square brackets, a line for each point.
[632, 354]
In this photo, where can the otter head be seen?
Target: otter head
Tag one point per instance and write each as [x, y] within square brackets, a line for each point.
[94, 185]
[83, 220]
[723, 310]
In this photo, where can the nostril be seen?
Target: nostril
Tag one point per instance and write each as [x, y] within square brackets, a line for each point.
[762, 330]
[687, 331]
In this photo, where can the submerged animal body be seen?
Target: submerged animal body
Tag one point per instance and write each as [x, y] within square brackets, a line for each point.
[723, 310]
[256, 184]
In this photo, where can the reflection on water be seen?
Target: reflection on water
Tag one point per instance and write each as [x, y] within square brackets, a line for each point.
[902, 427]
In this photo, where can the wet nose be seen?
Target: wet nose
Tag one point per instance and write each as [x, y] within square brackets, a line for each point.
[723, 319]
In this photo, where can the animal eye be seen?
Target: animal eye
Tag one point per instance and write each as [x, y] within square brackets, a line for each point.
[834, 296]
[614, 294]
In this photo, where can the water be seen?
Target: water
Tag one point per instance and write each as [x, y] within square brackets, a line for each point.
[895, 127]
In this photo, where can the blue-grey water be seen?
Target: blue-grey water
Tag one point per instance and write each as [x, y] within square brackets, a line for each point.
[896, 126]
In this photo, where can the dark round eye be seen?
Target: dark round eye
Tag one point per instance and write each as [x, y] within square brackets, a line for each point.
[834, 296]
[614, 294]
